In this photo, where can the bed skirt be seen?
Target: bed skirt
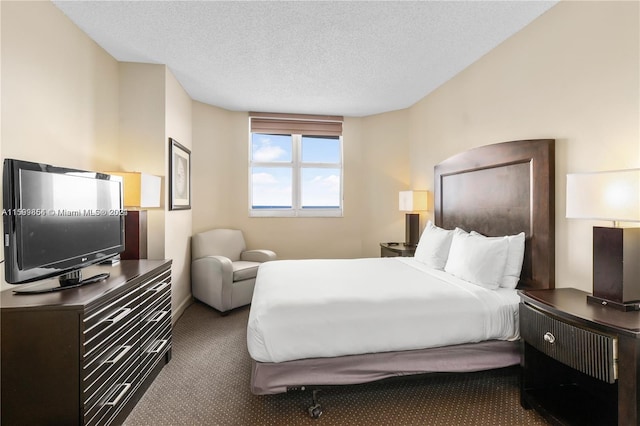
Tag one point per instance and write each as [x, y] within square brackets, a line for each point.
[272, 378]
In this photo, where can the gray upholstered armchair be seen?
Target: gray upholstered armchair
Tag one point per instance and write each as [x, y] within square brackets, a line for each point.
[223, 272]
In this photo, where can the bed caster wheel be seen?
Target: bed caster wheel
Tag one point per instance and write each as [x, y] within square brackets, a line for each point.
[315, 411]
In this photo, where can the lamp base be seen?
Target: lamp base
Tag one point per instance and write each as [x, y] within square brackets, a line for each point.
[624, 306]
[616, 270]
[412, 229]
[135, 235]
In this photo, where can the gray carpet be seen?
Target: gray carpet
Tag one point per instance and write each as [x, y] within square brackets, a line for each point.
[207, 383]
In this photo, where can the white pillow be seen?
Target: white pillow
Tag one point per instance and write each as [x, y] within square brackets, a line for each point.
[433, 247]
[477, 259]
[515, 257]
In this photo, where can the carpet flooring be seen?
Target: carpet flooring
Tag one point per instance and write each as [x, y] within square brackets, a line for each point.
[207, 383]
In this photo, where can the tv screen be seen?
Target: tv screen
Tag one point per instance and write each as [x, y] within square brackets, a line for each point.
[58, 220]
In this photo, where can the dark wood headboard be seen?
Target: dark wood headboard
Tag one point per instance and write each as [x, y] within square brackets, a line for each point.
[504, 189]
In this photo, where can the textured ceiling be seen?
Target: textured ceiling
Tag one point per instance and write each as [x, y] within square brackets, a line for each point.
[326, 57]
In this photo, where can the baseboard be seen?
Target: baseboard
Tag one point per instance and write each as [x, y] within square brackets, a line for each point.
[175, 316]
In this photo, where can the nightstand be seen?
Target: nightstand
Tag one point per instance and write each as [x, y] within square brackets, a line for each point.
[580, 362]
[396, 249]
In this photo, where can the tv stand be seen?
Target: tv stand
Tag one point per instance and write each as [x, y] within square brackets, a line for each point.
[86, 355]
[67, 281]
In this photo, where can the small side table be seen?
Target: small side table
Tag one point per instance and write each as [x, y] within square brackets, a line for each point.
[581, 362]
[396, 250]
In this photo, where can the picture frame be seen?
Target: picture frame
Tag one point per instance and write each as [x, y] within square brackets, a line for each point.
[179, 176]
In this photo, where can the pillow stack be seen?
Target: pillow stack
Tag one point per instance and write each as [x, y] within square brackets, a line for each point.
[515, 257]
[489, 262]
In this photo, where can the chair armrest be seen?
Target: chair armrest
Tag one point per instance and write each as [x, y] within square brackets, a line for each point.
[212, 281]
[257, 255]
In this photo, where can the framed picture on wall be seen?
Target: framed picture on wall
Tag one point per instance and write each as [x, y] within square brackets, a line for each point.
[179, 176]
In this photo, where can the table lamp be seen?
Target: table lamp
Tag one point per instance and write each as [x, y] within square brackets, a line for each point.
[611, 196]
[141, 191]
[413, 201]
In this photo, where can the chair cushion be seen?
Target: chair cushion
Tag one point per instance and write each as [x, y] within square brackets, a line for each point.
[244, 270]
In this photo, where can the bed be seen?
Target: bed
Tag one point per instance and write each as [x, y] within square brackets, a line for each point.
[346, 321]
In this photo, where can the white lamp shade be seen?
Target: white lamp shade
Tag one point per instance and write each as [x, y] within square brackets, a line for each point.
[611, 195]
[141, 190]
[412, 201]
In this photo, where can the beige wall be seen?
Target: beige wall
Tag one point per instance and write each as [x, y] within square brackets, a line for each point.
[177, 232]
[212, 136]
[59, 93]
[572, 75]
[65, 101]
[385, 172]
[375, 168]
[141, 136]
[153, 108]
[297, 238]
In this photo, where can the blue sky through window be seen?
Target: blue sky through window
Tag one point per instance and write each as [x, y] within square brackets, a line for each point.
[320, 150]
[320, 188]
[272, 186]
[268, 148]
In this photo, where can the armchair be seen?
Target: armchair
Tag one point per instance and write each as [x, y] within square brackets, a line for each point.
[223, 272]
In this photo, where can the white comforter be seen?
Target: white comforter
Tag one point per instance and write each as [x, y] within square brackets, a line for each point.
[327, 308]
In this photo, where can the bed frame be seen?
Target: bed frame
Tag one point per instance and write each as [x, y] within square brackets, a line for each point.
[499, 189]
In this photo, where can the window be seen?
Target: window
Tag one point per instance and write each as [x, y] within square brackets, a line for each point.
[295, 166]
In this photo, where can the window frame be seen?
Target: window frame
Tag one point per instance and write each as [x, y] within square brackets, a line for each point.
[296, 165]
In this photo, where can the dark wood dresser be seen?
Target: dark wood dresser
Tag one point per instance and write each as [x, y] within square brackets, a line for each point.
[581, 361]
[85, 356]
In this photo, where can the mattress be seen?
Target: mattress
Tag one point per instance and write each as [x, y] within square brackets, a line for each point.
[334, 307]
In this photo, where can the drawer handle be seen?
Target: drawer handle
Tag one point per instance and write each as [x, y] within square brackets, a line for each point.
[117, 315]
[549, 338]
[157, 316]
[113, 401]
[118, 354]
[158, 346]
[159, 287]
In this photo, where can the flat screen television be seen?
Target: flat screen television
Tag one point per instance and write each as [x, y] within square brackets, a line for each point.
[58, 221]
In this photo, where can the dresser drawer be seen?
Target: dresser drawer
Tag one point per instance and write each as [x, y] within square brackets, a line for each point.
[102, 372]
[582, 349]
[156, 338]
[99, 348]
[152, 353]
[100, 409]
[156, 288]
[152, 321]
[117, 314]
